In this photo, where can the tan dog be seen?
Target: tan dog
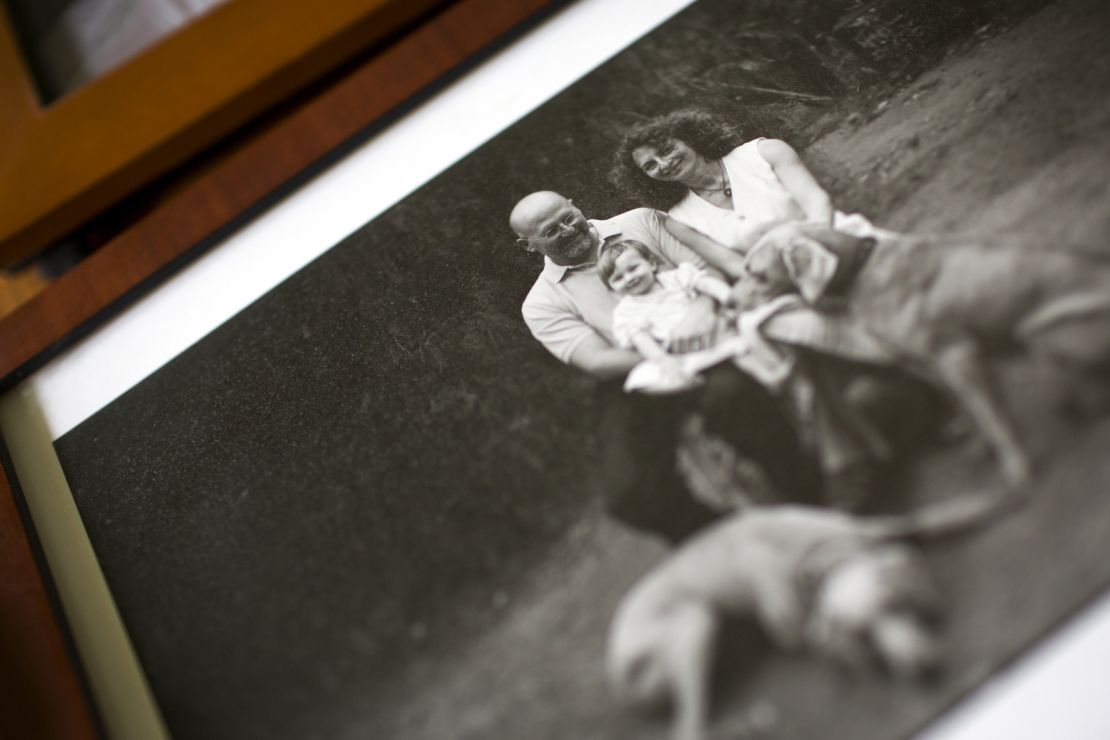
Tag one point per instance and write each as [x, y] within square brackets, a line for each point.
[932, 308]
[845, 587]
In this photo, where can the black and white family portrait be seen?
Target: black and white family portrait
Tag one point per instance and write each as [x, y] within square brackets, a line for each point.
[756, 385]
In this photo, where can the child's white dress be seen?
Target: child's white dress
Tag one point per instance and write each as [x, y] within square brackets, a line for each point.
[658, 312]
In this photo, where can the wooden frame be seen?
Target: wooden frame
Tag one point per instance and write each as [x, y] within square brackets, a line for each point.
[41, 693]
[65, 162]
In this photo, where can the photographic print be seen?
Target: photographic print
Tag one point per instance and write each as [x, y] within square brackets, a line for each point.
[753, 386]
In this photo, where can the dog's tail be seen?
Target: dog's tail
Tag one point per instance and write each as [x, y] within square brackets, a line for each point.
[942, 518]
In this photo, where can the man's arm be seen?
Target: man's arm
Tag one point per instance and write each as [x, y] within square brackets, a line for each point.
[602, 360]
[797, 179]
[558, 326]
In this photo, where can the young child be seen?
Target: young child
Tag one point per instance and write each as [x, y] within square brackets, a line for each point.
[653, 301]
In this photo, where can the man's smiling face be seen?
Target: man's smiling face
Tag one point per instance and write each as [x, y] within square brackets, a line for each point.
[554, 227]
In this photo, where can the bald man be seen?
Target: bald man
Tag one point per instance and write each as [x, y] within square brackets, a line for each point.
[569, 310]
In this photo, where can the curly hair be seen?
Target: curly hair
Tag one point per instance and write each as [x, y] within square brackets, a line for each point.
[702, 131]
[607, 260]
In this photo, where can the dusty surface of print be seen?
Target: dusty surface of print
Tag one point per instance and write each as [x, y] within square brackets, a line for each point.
[392, 512]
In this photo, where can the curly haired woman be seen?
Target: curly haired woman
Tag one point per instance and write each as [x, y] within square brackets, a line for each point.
[690, 164]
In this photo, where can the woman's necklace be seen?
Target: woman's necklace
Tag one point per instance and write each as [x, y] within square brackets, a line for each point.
[724, 187]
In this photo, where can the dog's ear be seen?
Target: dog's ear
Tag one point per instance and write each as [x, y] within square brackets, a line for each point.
[812, 267]
[759, 259]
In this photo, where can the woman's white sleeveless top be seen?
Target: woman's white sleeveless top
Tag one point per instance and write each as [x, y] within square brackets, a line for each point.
[757, 199]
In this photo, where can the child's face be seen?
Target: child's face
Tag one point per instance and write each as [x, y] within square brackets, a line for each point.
[632, 274]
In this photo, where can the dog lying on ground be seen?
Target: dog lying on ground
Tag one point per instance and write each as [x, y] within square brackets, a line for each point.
[844, 587]
[933, 308]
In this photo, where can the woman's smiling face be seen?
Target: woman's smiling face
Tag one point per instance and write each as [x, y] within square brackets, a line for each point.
[670, 162]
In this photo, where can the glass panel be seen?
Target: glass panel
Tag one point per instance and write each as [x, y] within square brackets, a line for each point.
[69, 42]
